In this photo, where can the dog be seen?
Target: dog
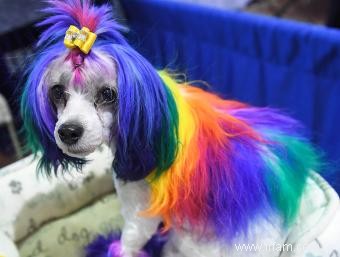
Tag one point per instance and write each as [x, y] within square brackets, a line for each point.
[213, 171]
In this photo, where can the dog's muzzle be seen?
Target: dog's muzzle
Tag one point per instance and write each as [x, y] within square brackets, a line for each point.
[70, 133]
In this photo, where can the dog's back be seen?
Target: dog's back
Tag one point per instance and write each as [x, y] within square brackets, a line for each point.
[235, 165]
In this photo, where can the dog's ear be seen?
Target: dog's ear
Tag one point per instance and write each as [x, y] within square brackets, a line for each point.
[39, 120]
[147, 117]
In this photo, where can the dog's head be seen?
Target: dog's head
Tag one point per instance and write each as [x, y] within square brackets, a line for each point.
[75, 101]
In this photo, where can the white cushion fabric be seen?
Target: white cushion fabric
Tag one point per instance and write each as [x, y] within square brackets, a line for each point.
[27, 201]
[7, 247]
[318, 221]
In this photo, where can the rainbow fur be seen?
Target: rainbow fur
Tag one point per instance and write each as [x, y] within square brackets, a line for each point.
[217, 165]
[235, 163]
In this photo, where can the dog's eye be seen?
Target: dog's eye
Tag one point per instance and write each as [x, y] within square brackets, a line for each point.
[106, 95]
[57, 94]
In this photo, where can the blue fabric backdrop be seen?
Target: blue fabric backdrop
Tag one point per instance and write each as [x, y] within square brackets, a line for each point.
[259, 60]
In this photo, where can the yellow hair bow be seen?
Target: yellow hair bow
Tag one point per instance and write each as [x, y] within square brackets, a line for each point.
[83, 39]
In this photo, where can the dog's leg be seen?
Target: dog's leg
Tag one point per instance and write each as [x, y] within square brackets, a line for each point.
[137, 230]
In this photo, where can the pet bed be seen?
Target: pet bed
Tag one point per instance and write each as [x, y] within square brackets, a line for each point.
[27, 202]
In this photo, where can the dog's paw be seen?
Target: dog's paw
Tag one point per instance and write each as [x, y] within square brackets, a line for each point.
[115, 250]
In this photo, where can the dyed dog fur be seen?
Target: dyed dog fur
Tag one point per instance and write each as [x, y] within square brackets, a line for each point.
[210, 169]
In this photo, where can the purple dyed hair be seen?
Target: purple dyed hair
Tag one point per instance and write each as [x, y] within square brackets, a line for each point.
[108, 246]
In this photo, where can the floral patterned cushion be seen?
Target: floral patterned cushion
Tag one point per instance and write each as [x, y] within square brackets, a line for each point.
[27, 200]
[69, 235]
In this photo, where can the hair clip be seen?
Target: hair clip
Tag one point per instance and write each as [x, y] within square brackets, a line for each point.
[83, 39]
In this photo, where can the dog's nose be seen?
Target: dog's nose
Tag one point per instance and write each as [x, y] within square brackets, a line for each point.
[70, 133]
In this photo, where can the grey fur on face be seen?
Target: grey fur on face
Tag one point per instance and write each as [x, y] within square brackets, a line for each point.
[86, 112]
